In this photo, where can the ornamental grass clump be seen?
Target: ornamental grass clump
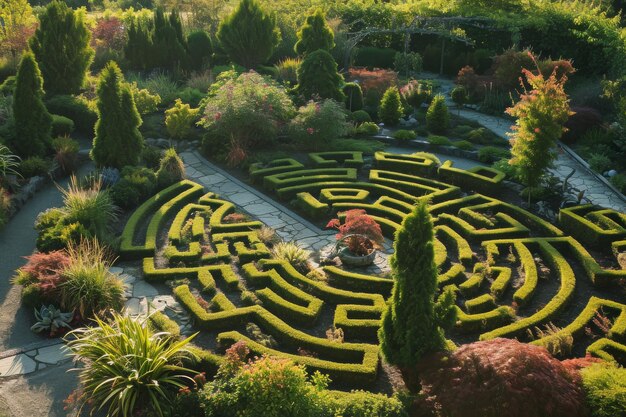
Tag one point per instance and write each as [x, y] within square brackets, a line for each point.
[128, 369]
[293, 253]
[87, 286]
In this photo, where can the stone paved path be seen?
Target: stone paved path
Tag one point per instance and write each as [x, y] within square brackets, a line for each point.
[583, 180]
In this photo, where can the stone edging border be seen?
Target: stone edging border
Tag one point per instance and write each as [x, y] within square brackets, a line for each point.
[585, 165]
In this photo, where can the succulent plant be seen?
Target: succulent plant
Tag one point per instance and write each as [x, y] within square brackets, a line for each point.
[51, 319]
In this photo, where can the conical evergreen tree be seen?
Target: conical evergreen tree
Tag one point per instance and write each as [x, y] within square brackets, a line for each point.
[437, 116]
[315, 34]
[169, 49]
[390, 110]
[249, 35]
[61, 45]
[318, 77]
[33, 123]
[411, 324]
[117, 142]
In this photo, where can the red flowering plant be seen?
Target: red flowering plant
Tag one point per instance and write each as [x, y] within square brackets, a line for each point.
[359, 232]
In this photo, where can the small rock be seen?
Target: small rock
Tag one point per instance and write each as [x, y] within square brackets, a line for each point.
[612, 173]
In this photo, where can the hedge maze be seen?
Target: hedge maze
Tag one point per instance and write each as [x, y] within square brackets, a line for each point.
[516, 274]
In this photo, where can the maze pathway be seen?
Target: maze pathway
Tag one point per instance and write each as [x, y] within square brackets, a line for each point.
[515, 274]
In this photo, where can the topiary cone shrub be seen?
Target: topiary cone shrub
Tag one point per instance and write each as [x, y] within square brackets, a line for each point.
[499, 377]
[437, 117]
[390, 110]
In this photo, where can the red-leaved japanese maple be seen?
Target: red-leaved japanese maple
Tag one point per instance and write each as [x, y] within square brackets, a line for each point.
[359, 230]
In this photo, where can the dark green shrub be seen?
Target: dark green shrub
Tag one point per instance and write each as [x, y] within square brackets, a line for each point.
[32, 296]
[151, 156]
[117, 142]
[314, 34]
[600, 162]
[354, 96]
[318, 77]
[619, 181]
[407, 63]
[459, 95]
[404, 135]
[81, 111]
[490, 154]
[372, 57]
[463, 144]
[33, 123]
[171, 169]
[360, 116]
[462, 131]
[390, 110]
[61, 45]
[34, 166]
[61, 126]
[8, 86]
[61, 235]
[437, 117]
[191, 96]
[438, 140]
[367, 404]
[249, 34]
[367, 128]
[199, 48]
[482, 136]
[135, 186]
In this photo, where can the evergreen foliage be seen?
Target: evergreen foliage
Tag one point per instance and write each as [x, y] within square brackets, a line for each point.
[315, 34]
[249, 35]
[541, 115]
[169, 44]
[200, 49]
[390, 110]
[412, 323]
[33, 123]
[117, 142]
[354, 96]
[318, 77]
[171, 169]
[139, 45]
[61, 45]
[438, 117]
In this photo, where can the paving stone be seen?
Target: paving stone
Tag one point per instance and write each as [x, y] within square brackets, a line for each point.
[161, 302]
[136, 307]
[143, 289]
[52, 354]
[243, 198]
[116, 270]
[17, 365]
[260, 209]
[212, 179]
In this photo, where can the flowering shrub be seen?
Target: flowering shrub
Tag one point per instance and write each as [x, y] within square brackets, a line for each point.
[501, 377]
[251, 108]
[360, 231]
[317, 123]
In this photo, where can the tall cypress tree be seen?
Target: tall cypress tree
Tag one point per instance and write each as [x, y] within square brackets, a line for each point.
[318, 77]
[33, 123]
[249, 35]
[117, 142]
[315, 34]
[412, 323]
[61, 47]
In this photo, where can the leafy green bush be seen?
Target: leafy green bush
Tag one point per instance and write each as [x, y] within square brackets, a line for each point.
[54, 232]
[605, 387]
[600, 162]
[367, 128]
[145, 101]
[135, 186]
[191, 96]
[87, 287]
[404, 135]
[180, 119]
[171, 169]
[459, 95]
[61, 126]
[249, 108]
[490, 154]
[438, 140]
[199, 48]
[463, 145]
[80, 110]
[366, 404]
[407, 63]
[437, 117]
[390, 110]
[127, 367]
[151, 156]
[360, 116]
[619, 181]
[34, 166]
[318, 123]
[314, 34]
[483, 136]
